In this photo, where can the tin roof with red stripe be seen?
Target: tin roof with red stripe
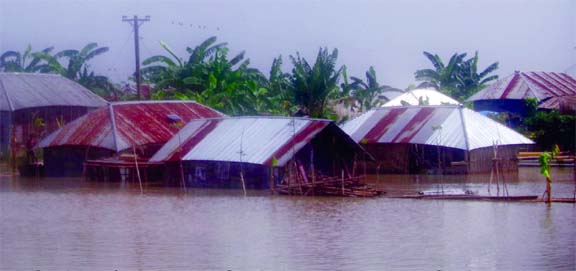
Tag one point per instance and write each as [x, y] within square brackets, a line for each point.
[522, 85]
[118, 126]
[270, 141]
[444, 125]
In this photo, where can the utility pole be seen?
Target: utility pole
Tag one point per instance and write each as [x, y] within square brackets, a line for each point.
[136, 22]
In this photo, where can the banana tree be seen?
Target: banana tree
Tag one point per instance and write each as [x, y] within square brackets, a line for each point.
[314, 85]
[13, 61]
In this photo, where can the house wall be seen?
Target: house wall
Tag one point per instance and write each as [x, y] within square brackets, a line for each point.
[217, 174]
[390, 158]
[28, 126]
[414, 159]
[67, 161]
[481, 159]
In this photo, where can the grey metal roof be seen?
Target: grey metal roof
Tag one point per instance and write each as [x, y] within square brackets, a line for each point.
[28, 90]
[449, 126]
[412, 97]
[258, 140]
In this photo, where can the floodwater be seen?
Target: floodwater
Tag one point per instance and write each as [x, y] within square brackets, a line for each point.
[71, 225]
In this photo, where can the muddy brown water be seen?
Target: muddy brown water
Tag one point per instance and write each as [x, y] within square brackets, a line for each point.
[65, 224]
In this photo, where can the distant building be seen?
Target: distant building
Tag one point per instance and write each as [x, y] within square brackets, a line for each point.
[33, 105]
[121, 127]
[444, 139]
[215, 152]
[509, 94]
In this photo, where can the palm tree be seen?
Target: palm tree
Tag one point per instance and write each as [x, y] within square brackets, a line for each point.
[13, 61]
[470, 81]
[442, 77]
[77, 60]
[77, 67]
[278, 84]
[169, 72]
[459, 79]
[313, 86]
[367, 93]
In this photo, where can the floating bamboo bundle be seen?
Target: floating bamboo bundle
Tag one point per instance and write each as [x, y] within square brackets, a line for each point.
[297, 182]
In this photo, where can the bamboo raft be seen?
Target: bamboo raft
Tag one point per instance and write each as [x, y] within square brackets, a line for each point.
[297, 182]
[473, 197]
[330, 187]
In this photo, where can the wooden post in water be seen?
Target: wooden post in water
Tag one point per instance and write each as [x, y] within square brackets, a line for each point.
[137, 169]
[548, 190]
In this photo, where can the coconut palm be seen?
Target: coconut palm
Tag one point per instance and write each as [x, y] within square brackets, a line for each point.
[13, 61]
[314, 85]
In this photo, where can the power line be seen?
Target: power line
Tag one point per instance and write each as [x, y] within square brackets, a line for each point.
[136, 23]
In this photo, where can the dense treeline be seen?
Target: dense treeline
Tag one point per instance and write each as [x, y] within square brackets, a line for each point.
[210, 75]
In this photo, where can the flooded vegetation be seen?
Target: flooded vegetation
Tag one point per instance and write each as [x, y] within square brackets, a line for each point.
[58, 224]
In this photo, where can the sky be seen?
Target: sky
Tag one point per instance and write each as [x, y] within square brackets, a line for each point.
[390, 35]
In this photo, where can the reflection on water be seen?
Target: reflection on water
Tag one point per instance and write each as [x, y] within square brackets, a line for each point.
[67, 224]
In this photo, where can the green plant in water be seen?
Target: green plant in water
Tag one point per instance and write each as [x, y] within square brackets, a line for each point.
[544, 160]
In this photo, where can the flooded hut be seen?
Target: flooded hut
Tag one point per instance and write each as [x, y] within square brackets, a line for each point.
[509, 94]
[259, 152]
[134, 129]
[33, 105]
[442, 139]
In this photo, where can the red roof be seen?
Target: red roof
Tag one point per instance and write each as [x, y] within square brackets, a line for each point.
[522, 85]
[121, 125]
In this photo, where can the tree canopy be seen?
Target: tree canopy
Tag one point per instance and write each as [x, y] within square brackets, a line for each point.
[459, 78]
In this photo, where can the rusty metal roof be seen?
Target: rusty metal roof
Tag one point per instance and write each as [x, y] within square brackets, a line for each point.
[27, 90]
[563, 103]
[256, 140]
[448, 126]
[121, 125]
[522, 85]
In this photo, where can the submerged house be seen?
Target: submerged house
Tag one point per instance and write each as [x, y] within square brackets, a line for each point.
[139, 127]
[222, 152]
[33, 105]
[445, 139]
[509, 94]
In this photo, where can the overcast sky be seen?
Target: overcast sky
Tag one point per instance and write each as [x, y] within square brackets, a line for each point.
[387, 34]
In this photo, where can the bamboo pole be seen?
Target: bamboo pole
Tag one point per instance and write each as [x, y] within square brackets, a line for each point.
[137, 169]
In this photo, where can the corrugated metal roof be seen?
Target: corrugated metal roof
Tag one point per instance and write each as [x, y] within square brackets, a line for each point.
[412, 97]
[522, 85]
[255, 140]
[141, 123]
[449, 126]
[27, 90]
[563, 103]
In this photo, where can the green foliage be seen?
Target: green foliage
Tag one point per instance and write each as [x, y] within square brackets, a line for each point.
[314, 85]
[544, 161]
[367, 93]
[551, 128]
[210, 77]
[12, 61]
[75, 66]
[459, 79]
